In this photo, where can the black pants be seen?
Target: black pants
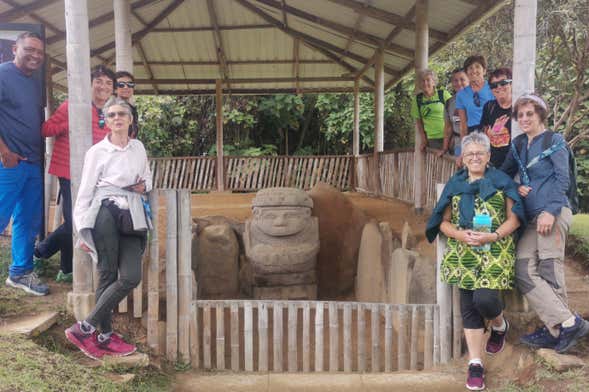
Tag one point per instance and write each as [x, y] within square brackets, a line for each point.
[61, 239]
[119, 268]
[478, 305]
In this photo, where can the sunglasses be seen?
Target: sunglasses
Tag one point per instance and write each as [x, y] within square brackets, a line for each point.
[501, 83]
[477, 99]
[114, 114]
[126, 84]
[100, 118]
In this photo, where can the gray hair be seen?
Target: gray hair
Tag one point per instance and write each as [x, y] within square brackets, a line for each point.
[114, 100]
[476, 138]
[425, 73]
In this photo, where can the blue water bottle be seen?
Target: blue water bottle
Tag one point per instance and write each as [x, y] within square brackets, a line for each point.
[483, 224]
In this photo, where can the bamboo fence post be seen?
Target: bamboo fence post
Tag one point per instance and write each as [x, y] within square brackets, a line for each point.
[292, 338]
[388, 338]
[414, 335]
[248, 331]
[436, 335]
[277, 336]
[172, 277]
[375, 338]
[361, 339]
[234, 336]
[153, 277]
[206, 336]
[333, 338]
[220, 336]
[263, 340]
[319, 337]
[184, 273]
[347, 337]
[402, 342]
[443, 298]
[194, 343]
[306, 336]
[456, 324]
[428, 345]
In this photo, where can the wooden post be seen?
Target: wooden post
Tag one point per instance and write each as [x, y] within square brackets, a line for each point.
[456, 324]
[220, 165]
[172, 277]
[355, 135]
[378, 117]
[402, 339]
[220, 336]
[333, 337]
[184, 273]
[319, 337]
[292, 338]
[428, 345]
[263, 339]
[347, 337]
[234, 321]
[414, 335]
[49, 179]
[443, 297]
[80, 120]
[421, 59]
[375, 337]
[361, 339]
[306, 337]
[277, 337]
[524, 52]
[388, 338]
[153, 277]
[123, 44]
[248, 338]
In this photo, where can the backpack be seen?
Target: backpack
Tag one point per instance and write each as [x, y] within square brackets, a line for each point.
[548, 148]
[420, 100]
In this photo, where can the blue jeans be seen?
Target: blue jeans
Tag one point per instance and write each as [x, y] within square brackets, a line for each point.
[21, 195]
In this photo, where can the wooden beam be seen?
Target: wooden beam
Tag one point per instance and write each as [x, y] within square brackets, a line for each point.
[309, 41]
[259, 26]
[146, 65]
[238, 62]
[257, 91]
[295, 66]
[23, 10]
[284, 16]
[249, 80]
[101, 20]
[340, 28]
[143, 32]
[220, 163]
[356, 131]
[387, 17]
[218, 39]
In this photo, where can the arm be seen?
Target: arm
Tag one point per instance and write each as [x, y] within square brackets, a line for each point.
[463, 123]
[560, 163]
[58, 123]
[452, 231]
[421, 131]
[447, 135]
[8, 158]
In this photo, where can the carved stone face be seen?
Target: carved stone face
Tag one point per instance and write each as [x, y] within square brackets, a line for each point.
[281, 221]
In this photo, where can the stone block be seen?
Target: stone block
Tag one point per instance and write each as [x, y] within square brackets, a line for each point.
[30, 326]
[136, 360]
[400, 275]
[297, 292]
[560, 362]
[369, 279]
[408, 240]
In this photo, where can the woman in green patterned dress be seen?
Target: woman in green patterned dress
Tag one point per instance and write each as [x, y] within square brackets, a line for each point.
[478, 211]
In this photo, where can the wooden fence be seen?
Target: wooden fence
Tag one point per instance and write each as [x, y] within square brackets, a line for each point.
[194, 173]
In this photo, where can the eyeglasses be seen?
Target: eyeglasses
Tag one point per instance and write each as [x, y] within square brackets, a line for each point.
[100, 118]
[114, 114]
[126, 84]
[477, 99]
[501, 83]
[529, 113]
[477, 154]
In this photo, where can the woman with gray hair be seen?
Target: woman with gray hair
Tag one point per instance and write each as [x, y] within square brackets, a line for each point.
[427, 109]
[478, 211]
[112, 226]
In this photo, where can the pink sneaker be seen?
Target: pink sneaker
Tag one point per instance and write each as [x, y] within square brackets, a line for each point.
[86, 342]
[116, 346]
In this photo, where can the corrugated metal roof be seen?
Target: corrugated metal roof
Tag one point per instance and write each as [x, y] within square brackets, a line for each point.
[335, 39]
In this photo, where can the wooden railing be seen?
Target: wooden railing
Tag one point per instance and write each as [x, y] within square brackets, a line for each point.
[193, 173]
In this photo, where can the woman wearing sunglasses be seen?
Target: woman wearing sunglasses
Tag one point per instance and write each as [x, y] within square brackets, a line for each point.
[60, 240]
[115, 175]
[125, 88]
[496, 120]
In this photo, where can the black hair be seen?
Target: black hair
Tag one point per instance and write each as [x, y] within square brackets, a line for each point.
[122, 74]
[102, 70]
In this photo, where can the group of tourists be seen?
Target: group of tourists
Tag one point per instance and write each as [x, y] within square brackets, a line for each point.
[109, 215]
[502, 234]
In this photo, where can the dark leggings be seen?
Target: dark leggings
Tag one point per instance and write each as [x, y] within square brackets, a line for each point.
[478, 305]
[119, 267]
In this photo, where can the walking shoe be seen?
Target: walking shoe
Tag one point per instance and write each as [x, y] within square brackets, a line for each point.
[570, 335]
[28, 282]
[475, 380]
[86, 342]
[496, 341]
[116, 346]
[62, 277]
[540, 338]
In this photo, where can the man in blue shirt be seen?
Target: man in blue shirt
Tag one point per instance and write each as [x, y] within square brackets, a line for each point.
[20, 158]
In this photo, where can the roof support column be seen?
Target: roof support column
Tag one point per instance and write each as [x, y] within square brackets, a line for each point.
[355, 133]
[421, 60]
[49, 180]
[123, 45]
[220, 160]
[524, 51]
[378, 117]
[81, 299]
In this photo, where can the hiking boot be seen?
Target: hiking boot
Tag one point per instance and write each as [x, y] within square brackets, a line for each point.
[496, 341]
[475, 380]
[116, 346]
[540, 338]
[570, 335]
[86, 342]
[62, 277]
[28, 282]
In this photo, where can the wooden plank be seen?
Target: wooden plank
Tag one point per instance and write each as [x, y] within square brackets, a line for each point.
[456, 324]
[248, 338]
[306, 337]
[172, 276]
[138, 291]
[375, 338]
[361, 339]
[402, 339]
[347, 337]
[220, 337]
[234, 325]
[277, 337]
[292, 338]
[388, 338]
[436, 355]
[153, 276]
[333, 338]
[414, 335]
[184, 273]
[319, 337]
[428, 345]
[263, 337]
[194, 343]
[206, 336]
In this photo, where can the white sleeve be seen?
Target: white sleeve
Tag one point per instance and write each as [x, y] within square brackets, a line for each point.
[146, 175]
[90, 175]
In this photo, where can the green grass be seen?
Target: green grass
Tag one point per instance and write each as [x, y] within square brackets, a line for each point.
[580, 226]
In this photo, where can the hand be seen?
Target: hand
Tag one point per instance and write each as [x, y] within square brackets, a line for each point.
[544, 223]
[423, 146]
[85, 247]
[479, 238]
[459, 161]
[139, 187]
[523, 190]
[440, 153]
[10, 159]
[466, 236]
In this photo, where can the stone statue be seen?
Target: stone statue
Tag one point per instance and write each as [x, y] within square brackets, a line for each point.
[281, 243]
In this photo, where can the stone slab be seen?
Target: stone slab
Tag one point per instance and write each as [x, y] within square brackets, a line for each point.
[221, 382]
[320, 382]
[560, 362]
[137, 360]
[297, 292]
[30, 326]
